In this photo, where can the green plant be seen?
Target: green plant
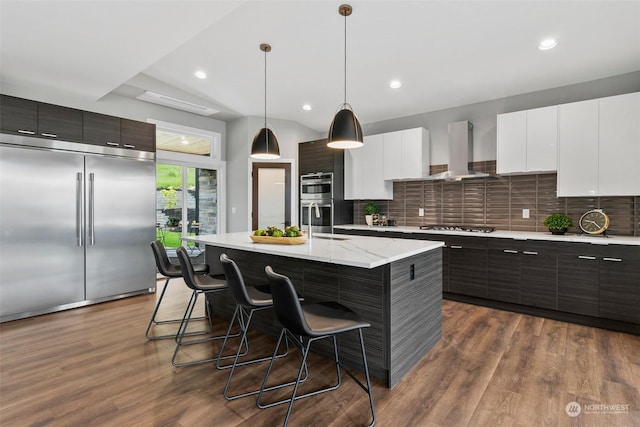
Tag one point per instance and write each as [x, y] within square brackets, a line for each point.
[173, 221]
[371, 208]
[171, 196]
[557, 221]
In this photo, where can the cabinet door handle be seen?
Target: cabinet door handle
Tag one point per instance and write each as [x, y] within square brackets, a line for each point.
[612, 259]
[455, 247]
[530, 253]
[509, 251]
[129, 146]
[586, 257]
[113, 144]
[50, 135]
[26, 132]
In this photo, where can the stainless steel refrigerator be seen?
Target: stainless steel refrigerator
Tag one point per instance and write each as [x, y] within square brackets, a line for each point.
[75, 225]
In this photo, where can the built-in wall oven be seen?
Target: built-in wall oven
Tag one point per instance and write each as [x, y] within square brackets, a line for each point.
[317, 188]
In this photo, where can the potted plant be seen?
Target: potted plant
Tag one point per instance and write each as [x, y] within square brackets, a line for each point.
[370, 209]
[557, 223]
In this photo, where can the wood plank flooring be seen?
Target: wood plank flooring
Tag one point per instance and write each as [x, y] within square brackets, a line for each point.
[93, 367]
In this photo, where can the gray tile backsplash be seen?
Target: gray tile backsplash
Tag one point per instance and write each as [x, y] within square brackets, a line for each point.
[498, 202]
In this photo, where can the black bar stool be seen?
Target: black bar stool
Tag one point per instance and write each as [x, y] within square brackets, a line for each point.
[249, 299]
[305, 324]
[170, 271]
[200, 285]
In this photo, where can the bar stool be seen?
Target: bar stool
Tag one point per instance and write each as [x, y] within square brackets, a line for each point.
[248, 299]
[200, 285]
[170, 271]
[305, 324]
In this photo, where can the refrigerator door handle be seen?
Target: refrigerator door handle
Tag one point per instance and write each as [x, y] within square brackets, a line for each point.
[79, 213]
[92, 239]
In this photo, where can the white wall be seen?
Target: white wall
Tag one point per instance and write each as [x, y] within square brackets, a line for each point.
[240, 134]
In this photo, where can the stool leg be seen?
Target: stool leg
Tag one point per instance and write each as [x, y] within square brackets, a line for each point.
[155, 311]
[366, 372]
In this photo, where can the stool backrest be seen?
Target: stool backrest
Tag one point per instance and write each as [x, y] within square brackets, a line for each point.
[235, 282]
[188, 273]
[286, 303]
[162, 260]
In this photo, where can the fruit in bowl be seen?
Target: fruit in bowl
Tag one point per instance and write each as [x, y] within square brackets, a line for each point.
[272, 231]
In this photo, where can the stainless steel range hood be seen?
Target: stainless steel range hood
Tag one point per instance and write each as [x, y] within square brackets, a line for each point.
[460, 153]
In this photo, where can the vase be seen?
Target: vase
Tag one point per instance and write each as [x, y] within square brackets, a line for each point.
[558, 232]
[369, 220]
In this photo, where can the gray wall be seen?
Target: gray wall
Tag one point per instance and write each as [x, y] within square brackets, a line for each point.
[240, 134]
[483, 114]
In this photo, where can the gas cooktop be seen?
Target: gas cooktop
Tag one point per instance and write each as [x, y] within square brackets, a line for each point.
[469, 228]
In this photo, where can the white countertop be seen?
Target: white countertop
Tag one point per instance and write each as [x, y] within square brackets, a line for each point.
[519, 235]
[356, 251]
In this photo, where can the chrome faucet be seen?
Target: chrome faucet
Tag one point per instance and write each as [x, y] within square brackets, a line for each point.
[310, 234]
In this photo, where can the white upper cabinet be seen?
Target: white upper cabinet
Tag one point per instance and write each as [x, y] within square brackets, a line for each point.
[578, 149]
[599, 147]
[511, 153]
[364, 171]
[406, 154]
[527, 141]
[542, 139]
[392, 143]
[619, 145]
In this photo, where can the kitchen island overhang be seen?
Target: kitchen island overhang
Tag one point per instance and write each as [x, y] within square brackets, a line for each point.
[395, 284]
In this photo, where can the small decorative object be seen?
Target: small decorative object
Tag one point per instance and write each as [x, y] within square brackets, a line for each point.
[594, 222]
[369, 210]
[558, 223]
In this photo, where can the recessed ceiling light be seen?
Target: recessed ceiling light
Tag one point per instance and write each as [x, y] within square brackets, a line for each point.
[547, 44]
[184, 140]
[395, 84]
[200, 74]
[306, 107]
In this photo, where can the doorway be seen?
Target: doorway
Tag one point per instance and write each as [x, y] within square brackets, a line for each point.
[271, 195]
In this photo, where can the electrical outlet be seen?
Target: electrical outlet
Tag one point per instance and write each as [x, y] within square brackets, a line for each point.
[420, 211]
[525, 213]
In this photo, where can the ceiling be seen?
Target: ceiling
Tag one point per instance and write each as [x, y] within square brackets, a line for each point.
[446, 53]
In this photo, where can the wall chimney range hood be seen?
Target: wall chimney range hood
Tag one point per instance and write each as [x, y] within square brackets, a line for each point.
[460, 154]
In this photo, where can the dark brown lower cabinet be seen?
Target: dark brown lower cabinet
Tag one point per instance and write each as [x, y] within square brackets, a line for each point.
[538, 272]
[468, 265]
[578, 278]
[620, 283]
[504, 270]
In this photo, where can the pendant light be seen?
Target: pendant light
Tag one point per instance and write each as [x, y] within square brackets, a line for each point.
[265, 144]
[345, 131]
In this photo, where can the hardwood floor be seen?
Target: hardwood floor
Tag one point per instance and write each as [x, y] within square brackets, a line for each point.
[93, 366]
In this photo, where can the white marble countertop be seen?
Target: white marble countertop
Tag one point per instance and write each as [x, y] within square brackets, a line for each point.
[519, 235]
[356, 251]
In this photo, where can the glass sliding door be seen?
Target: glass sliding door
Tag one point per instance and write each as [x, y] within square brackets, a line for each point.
[186, 204]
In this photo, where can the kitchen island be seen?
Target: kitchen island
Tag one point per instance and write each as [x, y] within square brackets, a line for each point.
[395, 284]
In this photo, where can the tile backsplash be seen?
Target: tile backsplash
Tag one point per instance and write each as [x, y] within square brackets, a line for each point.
[498, 202]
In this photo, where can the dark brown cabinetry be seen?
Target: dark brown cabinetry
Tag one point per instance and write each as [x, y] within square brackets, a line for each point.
[315, 156]
[578, 279]
[18, 115]
[137, 135]
[31, 118]
[468, 266]
[620, 283]
[58, 122]
[100, 129]
[538, 273]
[38, 119]
[523, 272]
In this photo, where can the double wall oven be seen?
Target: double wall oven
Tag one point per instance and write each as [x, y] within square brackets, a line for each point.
[317, 188]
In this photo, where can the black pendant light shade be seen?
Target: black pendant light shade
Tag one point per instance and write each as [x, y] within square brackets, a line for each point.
[345, 130]
[265, 144]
